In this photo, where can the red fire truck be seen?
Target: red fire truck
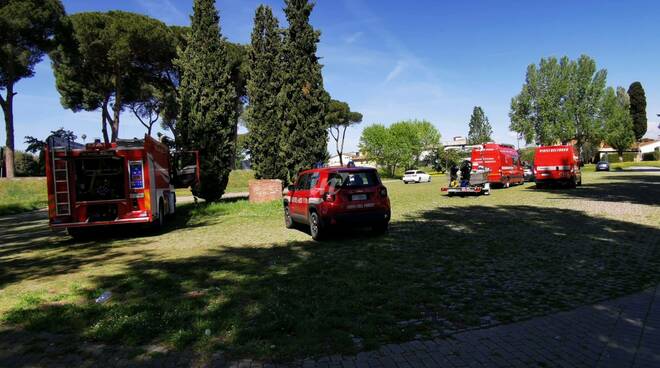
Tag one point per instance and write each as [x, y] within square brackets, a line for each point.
[502, 160]
[127, 182]
[557, 165]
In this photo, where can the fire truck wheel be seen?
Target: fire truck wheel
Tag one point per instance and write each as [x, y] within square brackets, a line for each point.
[160, 221]
[288, 221]
[315, 226]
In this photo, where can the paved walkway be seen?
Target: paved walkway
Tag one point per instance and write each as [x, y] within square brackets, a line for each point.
[624, 332]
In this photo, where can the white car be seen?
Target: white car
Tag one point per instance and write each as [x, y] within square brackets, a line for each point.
[416, 176]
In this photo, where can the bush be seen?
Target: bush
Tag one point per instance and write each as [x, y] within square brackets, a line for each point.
[627, 157]
[652, 156]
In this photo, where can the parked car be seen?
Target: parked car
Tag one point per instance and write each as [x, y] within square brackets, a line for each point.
[325, 197]
[528, 173]
[603, 166]
[416, 176]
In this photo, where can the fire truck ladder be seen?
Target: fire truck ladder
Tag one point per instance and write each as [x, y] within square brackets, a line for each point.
[61, 181]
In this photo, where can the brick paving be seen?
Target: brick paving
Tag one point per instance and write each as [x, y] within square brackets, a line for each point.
[623, 332]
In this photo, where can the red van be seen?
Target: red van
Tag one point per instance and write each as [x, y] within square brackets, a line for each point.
[557, 165]
[502, 160]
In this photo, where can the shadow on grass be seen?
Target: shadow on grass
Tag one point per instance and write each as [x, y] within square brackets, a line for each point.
[25, 237]
[441, 271]
[639, 189]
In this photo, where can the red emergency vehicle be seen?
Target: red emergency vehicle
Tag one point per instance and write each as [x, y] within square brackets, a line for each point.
[502, 160]
[557, 165]
[127, 182]
[329, 196]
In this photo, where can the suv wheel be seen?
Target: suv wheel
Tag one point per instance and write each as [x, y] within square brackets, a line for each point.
[288, 220]
[315, 228]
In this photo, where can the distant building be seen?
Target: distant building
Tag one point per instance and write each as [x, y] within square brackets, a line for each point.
[356, 157]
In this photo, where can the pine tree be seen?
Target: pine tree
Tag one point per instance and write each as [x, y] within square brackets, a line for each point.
[480, 129]
[207, 101]
[638, 109]
[303, 99]
[263, 86]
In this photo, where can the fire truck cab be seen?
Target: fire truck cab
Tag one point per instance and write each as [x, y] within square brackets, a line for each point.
[503, 162]
[94, 185]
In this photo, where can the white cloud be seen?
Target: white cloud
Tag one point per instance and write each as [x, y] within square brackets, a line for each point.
[354, 37]
[400, 66]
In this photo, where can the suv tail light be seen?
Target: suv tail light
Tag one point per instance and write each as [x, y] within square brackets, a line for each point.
[329, 197]
[383, 192]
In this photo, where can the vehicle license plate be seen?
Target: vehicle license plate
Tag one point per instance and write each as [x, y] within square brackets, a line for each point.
[359, 197]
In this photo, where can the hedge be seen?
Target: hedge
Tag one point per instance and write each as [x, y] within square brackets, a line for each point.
[627, 157]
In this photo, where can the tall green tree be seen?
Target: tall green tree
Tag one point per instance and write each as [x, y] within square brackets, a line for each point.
[108, 60]
[480, 129]
[560, 101]
[28, 29]
[302, 97]
[428, 138]
[619, 132]
[339, 118]
[208, 101]
[638, 109]
[400, 145]
[264, 83]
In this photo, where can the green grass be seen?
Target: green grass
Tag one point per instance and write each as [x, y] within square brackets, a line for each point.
[27, 194]
[22, 194]
[267, 292]
[623, 166]
[238, 182]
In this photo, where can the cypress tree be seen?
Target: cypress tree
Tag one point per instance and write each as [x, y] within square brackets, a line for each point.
[263, 86]
[303, 99]
[207, 101]
[480, 129]
[638, 109]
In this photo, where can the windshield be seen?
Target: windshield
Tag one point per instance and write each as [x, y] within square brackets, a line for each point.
[353, 179]
[409, 172]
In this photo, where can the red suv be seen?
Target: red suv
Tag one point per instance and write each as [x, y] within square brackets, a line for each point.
[324, 197]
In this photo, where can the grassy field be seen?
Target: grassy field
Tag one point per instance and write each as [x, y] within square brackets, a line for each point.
[238, 182]
[229, 276]
[23, 194]
[623, 166]
[27, 194]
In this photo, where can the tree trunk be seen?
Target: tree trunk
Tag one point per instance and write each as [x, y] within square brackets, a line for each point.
[343, 136]
[620, 156]
[7, 108]
[104, 121]
[115, 122]
[117, 106]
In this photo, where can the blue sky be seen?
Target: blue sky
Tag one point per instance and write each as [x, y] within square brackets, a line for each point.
[394, 60]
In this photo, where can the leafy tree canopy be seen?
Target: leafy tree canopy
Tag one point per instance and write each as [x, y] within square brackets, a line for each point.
[208, 101]
[638, 109]
[618, 122]
[108, 60]
[560, 101]
[339, 118]
[480, 129]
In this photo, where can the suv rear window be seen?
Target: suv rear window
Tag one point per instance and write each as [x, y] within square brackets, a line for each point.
[410, 172]
[353, 179]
